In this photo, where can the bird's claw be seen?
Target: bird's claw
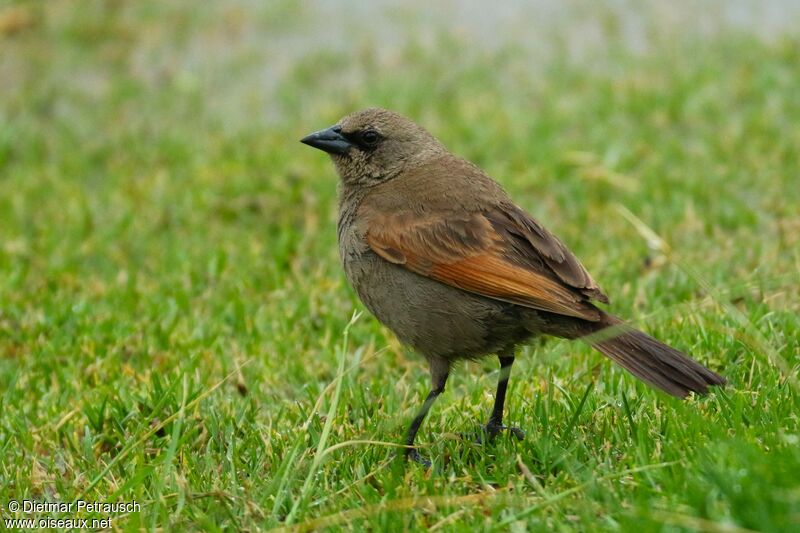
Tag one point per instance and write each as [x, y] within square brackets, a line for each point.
[412, 454]
[490, 431]
[514, 430]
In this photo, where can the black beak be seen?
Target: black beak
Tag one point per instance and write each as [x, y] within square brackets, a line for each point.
[330, 140]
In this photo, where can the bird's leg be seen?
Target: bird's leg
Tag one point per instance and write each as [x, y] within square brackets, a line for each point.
[439, 373]
[495, 424]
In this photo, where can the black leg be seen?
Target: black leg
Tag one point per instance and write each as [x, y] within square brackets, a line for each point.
[413, 453]
[495, 424]
[438, 380]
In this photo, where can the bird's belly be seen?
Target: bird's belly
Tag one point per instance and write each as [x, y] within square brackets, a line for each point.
[434, 318]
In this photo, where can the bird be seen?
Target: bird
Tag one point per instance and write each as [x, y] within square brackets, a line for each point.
[438, 252]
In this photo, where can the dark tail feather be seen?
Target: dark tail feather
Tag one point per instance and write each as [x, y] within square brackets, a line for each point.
[653, 362]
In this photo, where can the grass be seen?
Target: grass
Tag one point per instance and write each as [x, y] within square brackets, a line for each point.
[175, 328]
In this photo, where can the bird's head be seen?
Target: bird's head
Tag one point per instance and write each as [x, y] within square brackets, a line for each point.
[372, 146]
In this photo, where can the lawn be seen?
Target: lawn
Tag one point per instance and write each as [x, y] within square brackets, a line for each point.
[176, 330]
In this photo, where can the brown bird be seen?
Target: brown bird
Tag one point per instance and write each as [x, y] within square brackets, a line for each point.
[439, 253]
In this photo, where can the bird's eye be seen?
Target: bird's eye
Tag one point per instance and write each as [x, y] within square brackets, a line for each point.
[370, 137]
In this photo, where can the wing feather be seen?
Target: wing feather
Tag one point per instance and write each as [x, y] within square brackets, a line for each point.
[502, 254]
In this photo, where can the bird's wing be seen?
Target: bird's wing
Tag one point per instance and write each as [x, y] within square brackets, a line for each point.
[501, 253]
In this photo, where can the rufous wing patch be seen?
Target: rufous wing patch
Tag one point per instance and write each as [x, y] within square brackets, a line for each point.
[468, 253]
[490, 275]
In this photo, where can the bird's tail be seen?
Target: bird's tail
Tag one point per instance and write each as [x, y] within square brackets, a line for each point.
[653, 362]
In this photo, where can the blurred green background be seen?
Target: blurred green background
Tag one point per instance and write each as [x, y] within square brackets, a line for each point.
[173, 316]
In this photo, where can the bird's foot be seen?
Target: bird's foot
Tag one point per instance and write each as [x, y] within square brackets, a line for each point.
[412, 454]
[493, 429]
[490, 431]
